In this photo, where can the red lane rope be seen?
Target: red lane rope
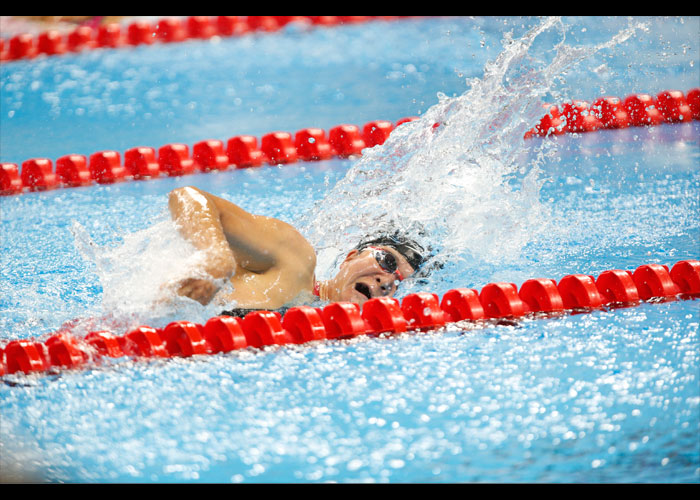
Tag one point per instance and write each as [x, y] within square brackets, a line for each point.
[420, 311]
[274, 148]
[636, 110]
[168, 30]
[312, 144]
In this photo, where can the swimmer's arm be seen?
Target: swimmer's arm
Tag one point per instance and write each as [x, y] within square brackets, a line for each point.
[199, 223]
[256, 242]
[262, 243]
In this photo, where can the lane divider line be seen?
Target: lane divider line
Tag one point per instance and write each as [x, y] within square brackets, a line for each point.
[244, 151]
[421, 311]
[53, 42]
[636, 110]
[314, 144]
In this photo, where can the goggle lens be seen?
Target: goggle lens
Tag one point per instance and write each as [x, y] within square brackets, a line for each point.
[386, 261]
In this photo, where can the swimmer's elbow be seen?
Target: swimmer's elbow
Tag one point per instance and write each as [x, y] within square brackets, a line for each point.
[184, 192]
[188, 197]
[177, 192]
[176, 197]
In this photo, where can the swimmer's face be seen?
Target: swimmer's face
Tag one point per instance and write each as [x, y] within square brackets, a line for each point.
[371, 272]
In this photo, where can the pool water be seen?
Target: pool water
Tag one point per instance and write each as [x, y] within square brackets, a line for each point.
[610, 395]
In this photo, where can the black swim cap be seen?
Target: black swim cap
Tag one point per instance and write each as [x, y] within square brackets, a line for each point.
[414, 253]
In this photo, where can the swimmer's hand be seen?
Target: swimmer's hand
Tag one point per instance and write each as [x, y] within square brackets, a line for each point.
[201, 290]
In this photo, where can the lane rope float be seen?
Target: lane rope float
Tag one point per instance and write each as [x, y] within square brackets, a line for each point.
[607, 112]
[24, 46]
[314, 144]
[243, 151]
[422, 311]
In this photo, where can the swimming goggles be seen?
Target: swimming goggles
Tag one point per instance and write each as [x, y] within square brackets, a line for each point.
[386, 261]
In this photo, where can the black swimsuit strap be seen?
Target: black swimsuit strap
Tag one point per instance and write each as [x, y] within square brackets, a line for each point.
[241, 312]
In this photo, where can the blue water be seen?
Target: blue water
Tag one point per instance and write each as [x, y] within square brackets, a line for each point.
[607, 396]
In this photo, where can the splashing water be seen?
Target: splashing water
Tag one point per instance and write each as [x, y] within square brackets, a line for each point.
[460, 179]
[139, 274]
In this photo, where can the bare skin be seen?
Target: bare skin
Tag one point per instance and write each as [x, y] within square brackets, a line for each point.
[268, 262]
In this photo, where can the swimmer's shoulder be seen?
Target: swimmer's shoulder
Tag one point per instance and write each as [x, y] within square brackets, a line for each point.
[296, 252]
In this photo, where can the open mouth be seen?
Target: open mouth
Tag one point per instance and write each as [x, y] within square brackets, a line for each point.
[363, 289]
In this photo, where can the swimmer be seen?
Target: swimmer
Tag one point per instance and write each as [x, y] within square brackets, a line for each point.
[270, 264]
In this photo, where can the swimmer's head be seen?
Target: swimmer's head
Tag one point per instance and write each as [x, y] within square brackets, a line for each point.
[375, 267]
[410, 250]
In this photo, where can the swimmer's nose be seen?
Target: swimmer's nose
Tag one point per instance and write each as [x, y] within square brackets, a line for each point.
[386, 284]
